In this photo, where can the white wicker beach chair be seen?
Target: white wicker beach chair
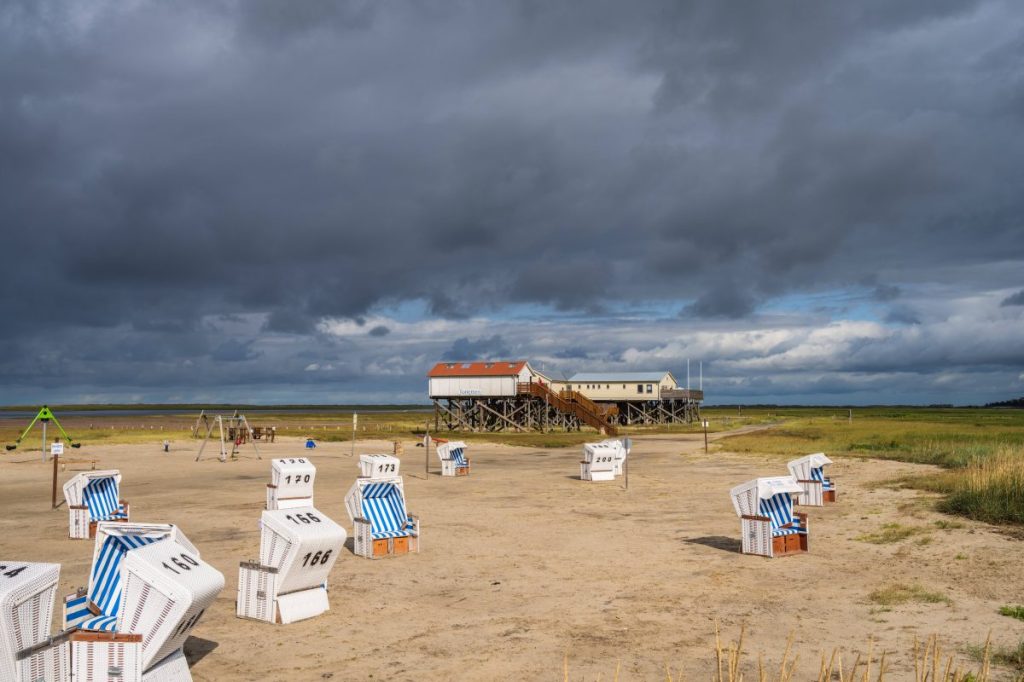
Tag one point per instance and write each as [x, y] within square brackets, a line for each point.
[298, 548]
[453, 458]
[599, 461]
[291, 483]
[148, 586]
[382, 525]
[92, 497]
[810, 474]
[379, 466]
[768, 524]
[27, 595]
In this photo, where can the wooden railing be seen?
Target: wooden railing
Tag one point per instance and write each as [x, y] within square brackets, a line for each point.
[573, 402]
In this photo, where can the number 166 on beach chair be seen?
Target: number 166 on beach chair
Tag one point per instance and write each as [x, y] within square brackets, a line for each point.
[769, 526]
[92, 497]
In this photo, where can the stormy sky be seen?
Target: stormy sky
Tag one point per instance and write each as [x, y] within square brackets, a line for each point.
[263, 201]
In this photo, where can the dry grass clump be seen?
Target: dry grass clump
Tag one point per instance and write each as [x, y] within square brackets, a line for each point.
[900, 593]
[890, 533]
[1012, 611]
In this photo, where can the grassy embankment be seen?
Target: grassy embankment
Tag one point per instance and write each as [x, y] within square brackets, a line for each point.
[981, 451]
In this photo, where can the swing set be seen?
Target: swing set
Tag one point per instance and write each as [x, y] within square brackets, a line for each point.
[44, 417]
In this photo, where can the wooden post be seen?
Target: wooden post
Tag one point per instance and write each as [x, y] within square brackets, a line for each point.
[354, 420]
[53, 496]
[705, 436]
[426, 452]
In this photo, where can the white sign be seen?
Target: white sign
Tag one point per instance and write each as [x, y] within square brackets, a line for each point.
[56, 449]
[705, 423]
[355, 421]
[470, 391]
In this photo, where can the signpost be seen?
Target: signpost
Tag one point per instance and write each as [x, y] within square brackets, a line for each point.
[355, 422]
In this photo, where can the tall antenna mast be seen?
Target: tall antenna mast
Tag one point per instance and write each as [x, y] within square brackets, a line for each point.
[702, 375]
[687, 374]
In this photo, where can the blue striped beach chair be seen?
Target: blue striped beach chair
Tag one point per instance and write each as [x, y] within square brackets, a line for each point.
[382, 525]
[147, 585]
[453, 458]
[809, 472]
[92, 497]
[769, 526]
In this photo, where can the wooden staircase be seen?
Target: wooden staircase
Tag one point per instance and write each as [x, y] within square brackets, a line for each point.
[574, 403]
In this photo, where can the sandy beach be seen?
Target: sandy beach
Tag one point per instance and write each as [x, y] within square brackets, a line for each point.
[523, 566]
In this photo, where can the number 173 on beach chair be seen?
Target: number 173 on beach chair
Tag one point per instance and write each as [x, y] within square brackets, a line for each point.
[376, 504]
[767, 522]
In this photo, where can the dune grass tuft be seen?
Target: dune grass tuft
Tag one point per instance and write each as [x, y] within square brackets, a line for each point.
[901, 593]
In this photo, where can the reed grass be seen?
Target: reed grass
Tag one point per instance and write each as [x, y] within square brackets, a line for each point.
[931, 663]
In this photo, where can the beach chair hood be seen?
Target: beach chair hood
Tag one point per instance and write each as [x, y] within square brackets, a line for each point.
[27, 593]
[801, 468]
[167, 589]
[455, 449]
[746, 498]
[302, 544]
[74, 489]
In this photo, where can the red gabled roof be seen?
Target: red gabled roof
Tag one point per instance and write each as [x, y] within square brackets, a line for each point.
[490, 368]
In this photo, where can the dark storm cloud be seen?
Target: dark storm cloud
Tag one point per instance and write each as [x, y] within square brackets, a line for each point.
[1014, 299]
[164, 165]
[484, 348]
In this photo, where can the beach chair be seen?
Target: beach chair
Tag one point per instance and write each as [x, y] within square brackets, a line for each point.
[27, 652]
[291, 483]
[767, 522]
[92, 497]
[599, 461]
[376, 505]
[148, 588]
[453, 458]
[810, 474]
[298, 548]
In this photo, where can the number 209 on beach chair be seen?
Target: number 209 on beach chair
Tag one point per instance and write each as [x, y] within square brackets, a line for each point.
[92, 497]
[767, 522]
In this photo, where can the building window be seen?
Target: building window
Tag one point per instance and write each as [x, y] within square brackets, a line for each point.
[467, 365]
[623, 386]
[450, 365]
[607, 385]
[489, 365]
[650, 388]
[640, 388]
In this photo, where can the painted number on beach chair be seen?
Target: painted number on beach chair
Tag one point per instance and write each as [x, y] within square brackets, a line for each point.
[303, 518]
[14, 572]
[185, 563]
[385, 468]
[294, 461]
[187, 625]
[299, 478]
[314, 559]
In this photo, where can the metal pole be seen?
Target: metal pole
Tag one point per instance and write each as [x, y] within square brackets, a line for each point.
[426, 452]
[53, 496]
[44, 440]
[625, 471]
[705, 436]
